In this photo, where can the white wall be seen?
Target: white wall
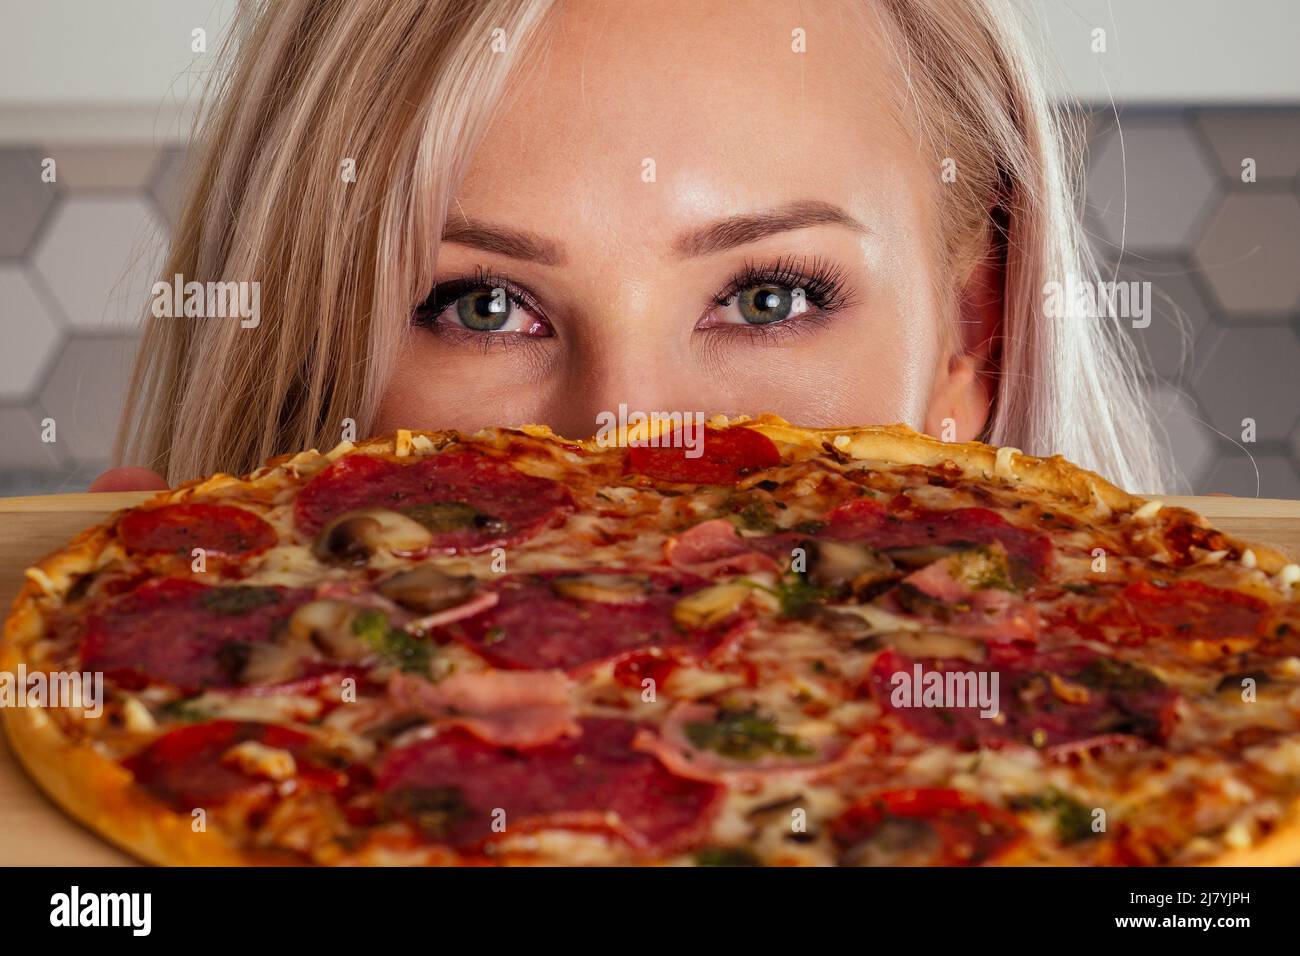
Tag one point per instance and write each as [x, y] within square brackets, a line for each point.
[123, 69]
[103, 69]
[1174, 51]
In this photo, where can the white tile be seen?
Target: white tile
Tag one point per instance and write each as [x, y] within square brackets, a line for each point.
[100, 257]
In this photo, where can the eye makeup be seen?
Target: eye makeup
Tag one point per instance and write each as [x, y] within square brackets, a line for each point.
[781, 298]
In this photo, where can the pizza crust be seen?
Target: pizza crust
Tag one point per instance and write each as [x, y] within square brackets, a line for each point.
[101, 795]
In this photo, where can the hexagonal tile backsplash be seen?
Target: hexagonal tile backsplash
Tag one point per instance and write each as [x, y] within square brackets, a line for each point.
[1167, 202]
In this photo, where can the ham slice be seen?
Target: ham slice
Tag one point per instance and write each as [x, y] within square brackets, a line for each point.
[507, 708]
[713, 547]
[987, 613]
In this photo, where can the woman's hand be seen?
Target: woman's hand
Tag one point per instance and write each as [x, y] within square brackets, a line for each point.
[129, 479]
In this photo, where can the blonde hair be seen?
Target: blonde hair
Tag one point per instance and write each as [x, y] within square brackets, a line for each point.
[405, 88]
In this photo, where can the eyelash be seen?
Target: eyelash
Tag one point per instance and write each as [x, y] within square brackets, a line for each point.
[483, 280]
[824, 284]
[825, 287]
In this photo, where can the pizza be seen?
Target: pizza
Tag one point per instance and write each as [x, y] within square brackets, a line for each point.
[783, 646]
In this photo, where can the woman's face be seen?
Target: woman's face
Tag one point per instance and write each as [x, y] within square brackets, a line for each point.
[678, 212]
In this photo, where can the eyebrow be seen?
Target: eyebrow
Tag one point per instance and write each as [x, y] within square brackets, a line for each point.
[714, 237]
[512, 243]
[740, 230]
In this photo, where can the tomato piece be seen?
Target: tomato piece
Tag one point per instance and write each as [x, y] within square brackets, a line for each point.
[727, 455]
[925, 826]
[185, 767]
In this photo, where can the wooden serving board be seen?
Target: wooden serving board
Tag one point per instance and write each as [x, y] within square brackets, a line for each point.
[33, 832]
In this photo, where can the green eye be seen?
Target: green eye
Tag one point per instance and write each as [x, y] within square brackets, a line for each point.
[487, 310]
[765, 304]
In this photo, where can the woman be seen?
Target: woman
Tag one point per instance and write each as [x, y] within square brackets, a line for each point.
[473, 212]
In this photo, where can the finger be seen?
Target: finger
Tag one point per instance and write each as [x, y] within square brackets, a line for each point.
[129, 479]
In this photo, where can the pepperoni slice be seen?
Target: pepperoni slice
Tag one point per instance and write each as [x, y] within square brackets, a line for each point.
[727, 455]
[180, 528]
[1046, 699]
[538, 623]
[453, 787]
[923, 826]
[180, 632]
[185, 767]
[903, 524]
[1183, 610]
[469, 501]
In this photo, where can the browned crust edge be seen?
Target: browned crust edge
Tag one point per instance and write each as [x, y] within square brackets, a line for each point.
[101, 795]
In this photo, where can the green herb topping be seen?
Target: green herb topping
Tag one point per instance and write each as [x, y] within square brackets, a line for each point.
[744, 735]
[239, 599]
[394, 645]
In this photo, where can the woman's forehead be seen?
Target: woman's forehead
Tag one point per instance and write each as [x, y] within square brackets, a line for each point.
[669, 112]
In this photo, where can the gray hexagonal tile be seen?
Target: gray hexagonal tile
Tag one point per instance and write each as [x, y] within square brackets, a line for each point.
[1270, 137]
[1192, 445]
[24, 199]
[1235, 473]
[1250, 253]
[1178, 314]
[1249, 372]
[21, 447]
[100, 256]
[1169, 184]
[85, 393]
[28, 332]
[166, 182]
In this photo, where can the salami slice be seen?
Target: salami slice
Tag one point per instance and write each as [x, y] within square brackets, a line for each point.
[180, 632]
[190, 766]
[454, 786]
[725, 457]
[906, 525]
[923, 826]
[469, 501]
[1179, 611]
[180, 528]
[1046, 699]
[561, 620]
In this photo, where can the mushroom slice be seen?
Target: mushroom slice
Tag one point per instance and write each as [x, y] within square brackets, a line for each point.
[601, 588]
[354, 537]
[443, 516]
[840, 563]
[711, 605]
[272, 663]
[922, 555]
[326, 627]
[426, 589]
[929, 644]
